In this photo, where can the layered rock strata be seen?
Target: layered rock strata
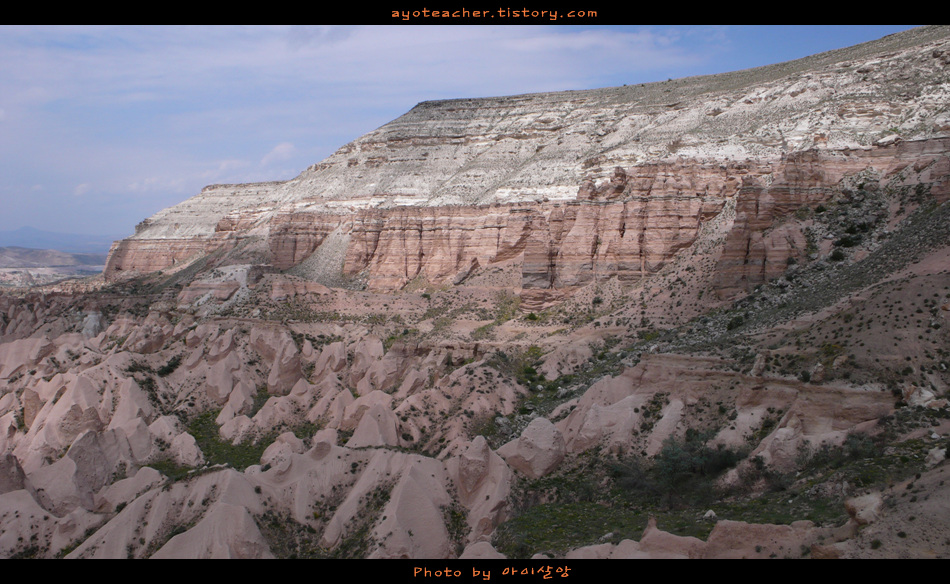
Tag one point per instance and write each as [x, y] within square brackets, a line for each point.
[584, 184]
[229, 411]
[627, 227]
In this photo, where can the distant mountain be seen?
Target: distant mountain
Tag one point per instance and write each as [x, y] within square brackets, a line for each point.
[32, 238]
[20, 257]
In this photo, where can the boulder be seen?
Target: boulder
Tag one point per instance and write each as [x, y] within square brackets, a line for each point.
[935, 456]
[279, 455]
[538, 451]
[92, 325]
[185, 451]
[865, 509]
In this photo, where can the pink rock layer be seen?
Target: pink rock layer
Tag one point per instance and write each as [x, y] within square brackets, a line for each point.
[627, 227]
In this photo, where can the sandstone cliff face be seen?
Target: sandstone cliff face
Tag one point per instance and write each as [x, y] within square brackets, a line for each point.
[628, 227]
[683, 146]
[758, 247]
[337, 366]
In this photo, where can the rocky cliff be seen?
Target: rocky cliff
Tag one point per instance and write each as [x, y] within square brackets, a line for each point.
[705, 318]
[576, 177]
[627, 227]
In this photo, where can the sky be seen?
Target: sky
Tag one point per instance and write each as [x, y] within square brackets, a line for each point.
[103, 126]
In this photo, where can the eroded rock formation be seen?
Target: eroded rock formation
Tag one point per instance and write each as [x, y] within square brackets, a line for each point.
[492, 314]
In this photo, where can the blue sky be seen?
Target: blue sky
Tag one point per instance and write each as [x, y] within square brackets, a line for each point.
[102, 126]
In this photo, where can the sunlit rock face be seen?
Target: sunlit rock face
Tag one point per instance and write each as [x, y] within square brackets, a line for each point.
[492, 310]
[628, 227]
[582, 183]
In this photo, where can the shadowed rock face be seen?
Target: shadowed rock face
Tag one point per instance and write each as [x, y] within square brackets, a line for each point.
[491, 313]
[757, 248]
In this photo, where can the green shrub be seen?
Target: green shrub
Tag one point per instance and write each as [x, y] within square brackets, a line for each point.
[170, 469]
[169, 368]
[848, 241]
[683, 473]
[136, 367]
[856, 446]
[219, 451]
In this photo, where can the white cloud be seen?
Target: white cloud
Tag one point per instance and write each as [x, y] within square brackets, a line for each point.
[161, 111]
[149, 184]
[281, 152]
[231, 165]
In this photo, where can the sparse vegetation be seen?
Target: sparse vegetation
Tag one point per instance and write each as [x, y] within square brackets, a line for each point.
[747, 328]
[217, 451]
[169, 368]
